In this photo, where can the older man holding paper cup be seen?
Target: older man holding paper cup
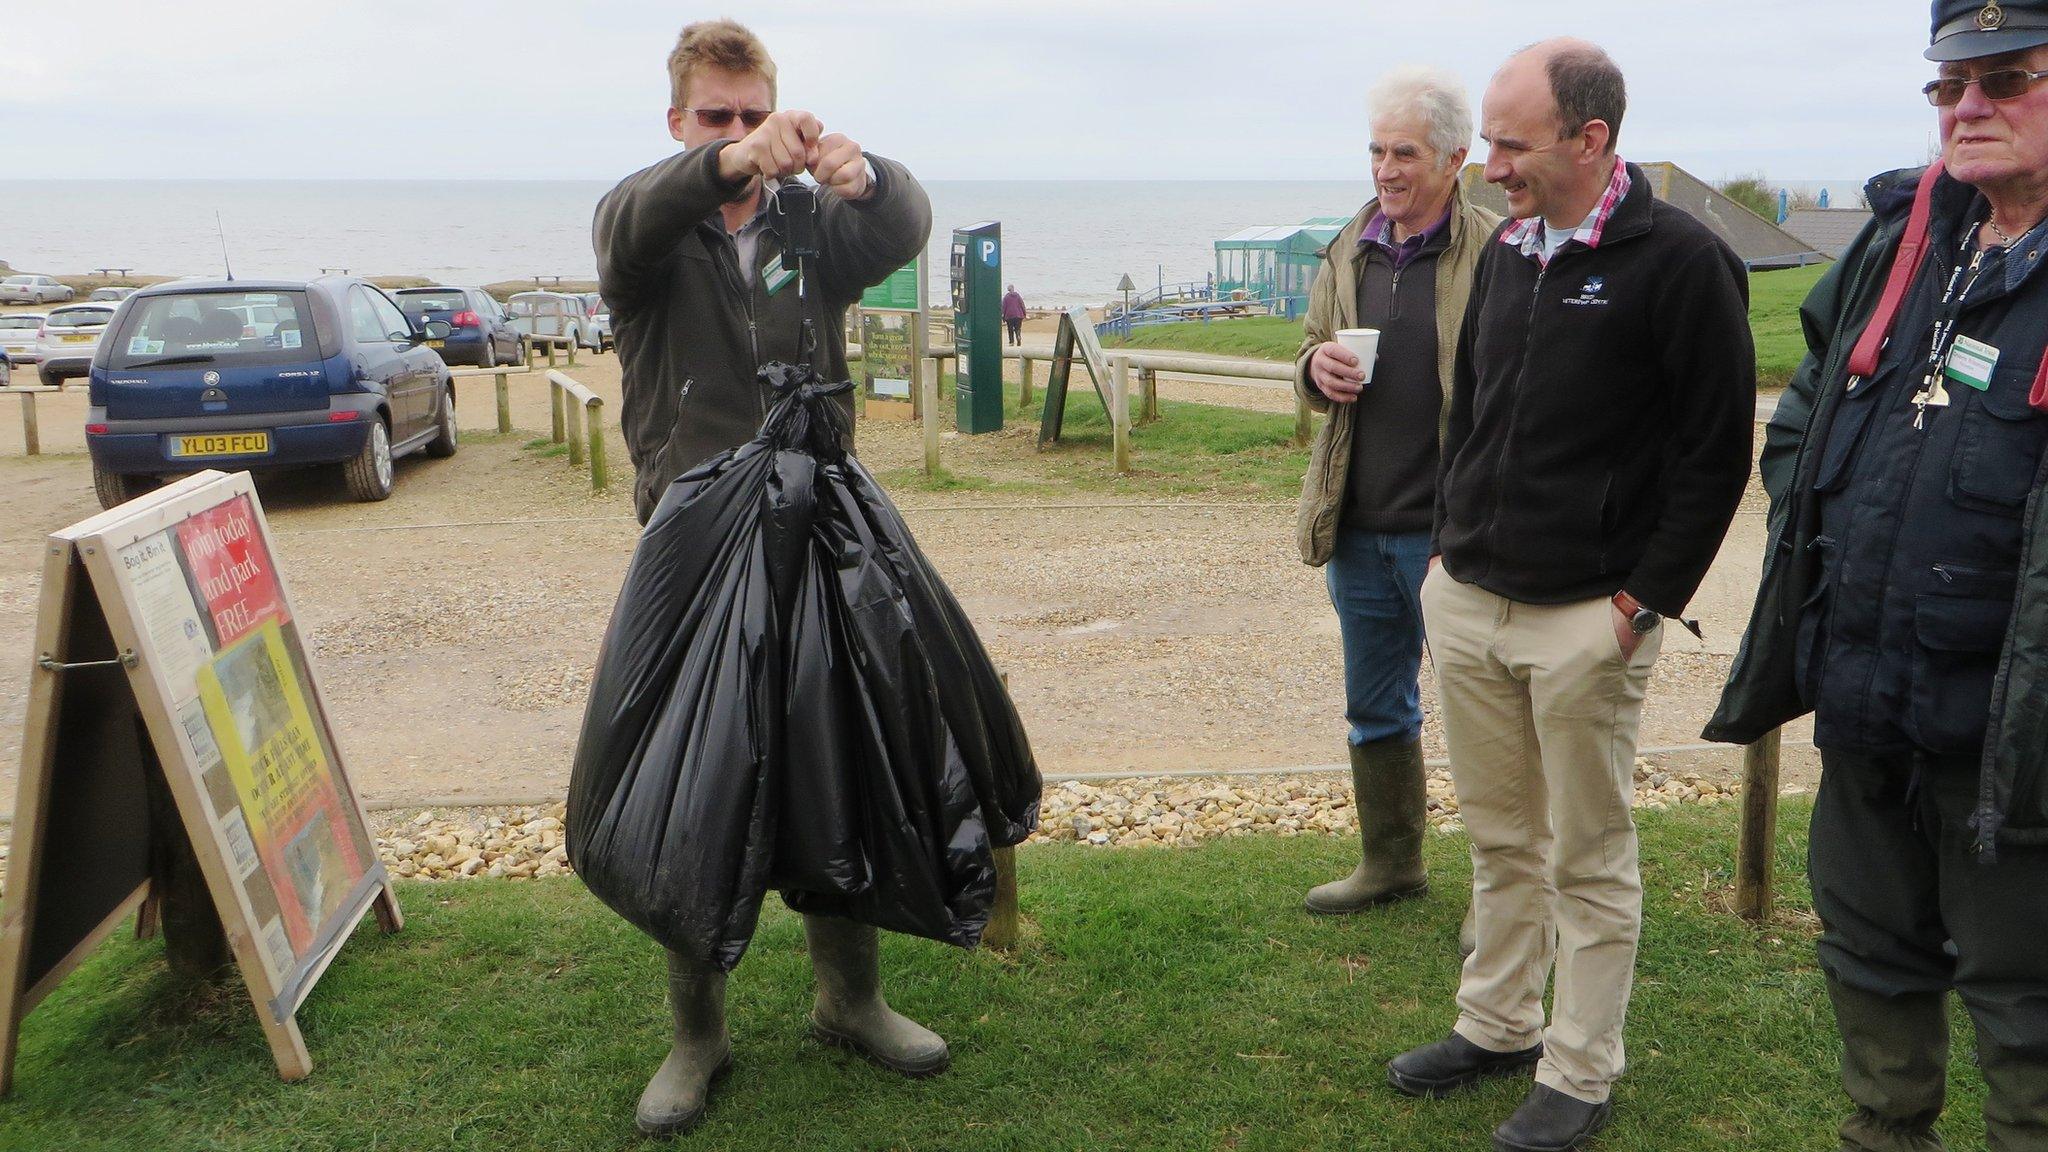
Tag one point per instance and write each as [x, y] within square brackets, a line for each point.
[1380, 333]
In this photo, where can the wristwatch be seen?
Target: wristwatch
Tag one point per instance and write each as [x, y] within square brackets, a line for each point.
[1640, 619]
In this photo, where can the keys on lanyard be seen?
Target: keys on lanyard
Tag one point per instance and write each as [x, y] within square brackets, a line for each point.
[1932, 393]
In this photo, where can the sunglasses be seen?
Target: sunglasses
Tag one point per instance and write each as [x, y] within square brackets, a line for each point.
[752, 117]
[2004, 84]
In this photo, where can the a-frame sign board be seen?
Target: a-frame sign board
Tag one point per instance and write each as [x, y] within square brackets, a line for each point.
[168, 656]
[1076, 332]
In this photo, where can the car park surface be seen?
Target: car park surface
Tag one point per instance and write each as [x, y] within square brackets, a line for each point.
[265, 375]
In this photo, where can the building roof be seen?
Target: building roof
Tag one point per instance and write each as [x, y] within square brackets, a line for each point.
[1759, 242]
[1828, 230]
[1307, 237]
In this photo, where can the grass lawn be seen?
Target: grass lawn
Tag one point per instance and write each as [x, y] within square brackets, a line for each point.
[1774, 299]
[1167, 999]
[1193, 449]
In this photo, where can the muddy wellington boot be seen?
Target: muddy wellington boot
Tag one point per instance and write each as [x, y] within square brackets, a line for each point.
[849, 1011]
[673, 1102]
[1391, 801]
[1894, 1068]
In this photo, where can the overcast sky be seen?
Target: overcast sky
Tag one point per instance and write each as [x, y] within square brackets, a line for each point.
[961, 89]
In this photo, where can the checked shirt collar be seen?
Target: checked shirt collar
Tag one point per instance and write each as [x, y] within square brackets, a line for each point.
[1527, 235]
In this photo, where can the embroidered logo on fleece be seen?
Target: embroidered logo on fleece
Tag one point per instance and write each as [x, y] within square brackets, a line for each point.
[1589, 294]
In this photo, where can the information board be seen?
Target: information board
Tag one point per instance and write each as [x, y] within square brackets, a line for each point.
[172, 608]
[889, 363]
[898, 293]
[1076, 333]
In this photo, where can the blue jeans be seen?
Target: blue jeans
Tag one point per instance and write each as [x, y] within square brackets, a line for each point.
[1376, 586]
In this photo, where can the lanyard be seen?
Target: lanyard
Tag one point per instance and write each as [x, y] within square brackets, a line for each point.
[1932, 393]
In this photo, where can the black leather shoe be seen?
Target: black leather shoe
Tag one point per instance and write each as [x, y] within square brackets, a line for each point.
[1550, 1121]
[1453, 1063]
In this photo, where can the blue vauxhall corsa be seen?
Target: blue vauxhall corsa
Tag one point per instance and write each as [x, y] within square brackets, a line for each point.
[238, 374]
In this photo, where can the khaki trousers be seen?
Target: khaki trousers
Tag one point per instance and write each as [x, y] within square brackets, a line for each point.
[1540, 715]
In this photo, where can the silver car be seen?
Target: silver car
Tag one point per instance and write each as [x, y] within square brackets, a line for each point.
[18, 336]
[70, 335]
[549, 314]
[34, 290]
[113, 292]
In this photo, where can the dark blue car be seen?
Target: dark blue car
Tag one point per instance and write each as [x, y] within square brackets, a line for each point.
[264, 374]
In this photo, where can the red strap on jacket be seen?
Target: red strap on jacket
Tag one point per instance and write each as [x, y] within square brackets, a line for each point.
[1905, 266]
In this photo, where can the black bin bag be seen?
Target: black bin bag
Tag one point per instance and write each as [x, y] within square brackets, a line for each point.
[789, 697]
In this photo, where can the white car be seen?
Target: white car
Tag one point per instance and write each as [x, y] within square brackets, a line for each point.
[549, 314]
[113, 292]
[69, 337]
[18, 336]
[34, 290]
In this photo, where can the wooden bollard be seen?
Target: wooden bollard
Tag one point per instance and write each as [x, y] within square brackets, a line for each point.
[572, 418]
[1024, 386]
[504, 380]
[572, 353]
[1148, 390]
[555, 401]
[31, 434]
[928, 396]
[1120, 415]
[1004, 921]
[594, 424]
[551, 354]
[1756, 850]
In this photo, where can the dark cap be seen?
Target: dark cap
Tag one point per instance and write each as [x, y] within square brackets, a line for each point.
[1967, 29]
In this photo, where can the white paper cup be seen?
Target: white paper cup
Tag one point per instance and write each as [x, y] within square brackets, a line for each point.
[1363, 343]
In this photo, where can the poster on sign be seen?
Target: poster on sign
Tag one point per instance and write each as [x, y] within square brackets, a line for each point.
[183, 585]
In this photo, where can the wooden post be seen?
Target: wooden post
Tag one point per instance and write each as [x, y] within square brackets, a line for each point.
[555, 401]
[1004, 921]
[1304, 426]
[572, 353]
[1756, 852]
[572, 418]
[551, 352]
[31, 435]
[1024, 390]
[504, 402]
[1120, 415]
[594, 425]
[928, 394]
[1148, 390]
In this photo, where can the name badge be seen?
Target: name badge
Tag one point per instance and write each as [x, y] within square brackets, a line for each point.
[775, 277]
[1970, 362]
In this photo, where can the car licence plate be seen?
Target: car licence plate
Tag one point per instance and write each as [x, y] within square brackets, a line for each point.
[437, 343]
[86, 339]
[221, 444]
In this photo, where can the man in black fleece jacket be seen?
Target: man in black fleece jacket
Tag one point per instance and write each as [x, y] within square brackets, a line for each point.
[701, 296]
[1599, 443]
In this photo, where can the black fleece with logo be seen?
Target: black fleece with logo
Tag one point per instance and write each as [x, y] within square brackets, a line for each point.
[1601, 413]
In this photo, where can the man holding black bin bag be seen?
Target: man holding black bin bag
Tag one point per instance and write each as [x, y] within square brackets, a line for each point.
[701, 295]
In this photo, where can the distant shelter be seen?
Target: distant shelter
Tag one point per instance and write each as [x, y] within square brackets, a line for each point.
[1274, 264]
[1760, 243]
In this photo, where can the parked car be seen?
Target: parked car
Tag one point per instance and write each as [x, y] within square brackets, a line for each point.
[34, 290]
[68, 338]
[341, 377]
[597, 321]
[549, 314]
[480, 332]
[18, 336]
[114, 292]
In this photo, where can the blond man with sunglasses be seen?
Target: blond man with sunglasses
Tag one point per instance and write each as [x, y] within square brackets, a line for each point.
[1905, 601]
[692, 262]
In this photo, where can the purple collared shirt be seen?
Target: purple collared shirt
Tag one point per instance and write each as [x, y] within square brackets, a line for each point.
[1380, 230]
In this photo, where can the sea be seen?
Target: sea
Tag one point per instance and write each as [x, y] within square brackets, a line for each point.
[1064, 242]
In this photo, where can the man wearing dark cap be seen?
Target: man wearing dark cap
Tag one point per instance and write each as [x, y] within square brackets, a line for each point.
[1905, 601]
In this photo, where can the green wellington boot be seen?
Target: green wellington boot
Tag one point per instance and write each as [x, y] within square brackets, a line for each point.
[1391, 800]
[2016, 1108]
[1894, 1068]
[849, 1011]
[673, 1102]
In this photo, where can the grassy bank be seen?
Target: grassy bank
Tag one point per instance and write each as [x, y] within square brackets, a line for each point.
[1774, 299]
[1164, 999]
[1192, 450]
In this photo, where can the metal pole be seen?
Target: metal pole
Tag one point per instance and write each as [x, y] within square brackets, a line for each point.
[1755, 852]
[594, 422]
